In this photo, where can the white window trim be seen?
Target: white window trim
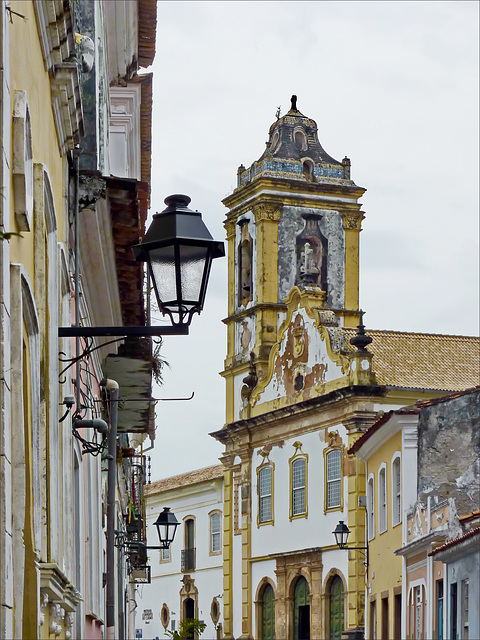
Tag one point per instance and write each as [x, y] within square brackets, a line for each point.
[371, 507]
[382, 507]
[396, 456]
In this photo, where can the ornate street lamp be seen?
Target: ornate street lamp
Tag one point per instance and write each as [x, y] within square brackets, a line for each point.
[166, 524]
[341, 536]
[179, 250]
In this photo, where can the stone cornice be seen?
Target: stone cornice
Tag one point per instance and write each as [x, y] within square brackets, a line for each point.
[336, 399]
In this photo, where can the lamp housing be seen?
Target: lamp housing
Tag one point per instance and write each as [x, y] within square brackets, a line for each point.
[178, 250]
[166, 524]
[341, 534]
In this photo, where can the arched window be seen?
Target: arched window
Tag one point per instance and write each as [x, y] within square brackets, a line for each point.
[333, 479]
[382, 498]
[244, 262]
[265, 494]
[188, 552]
[370, 508]
[301, 610]
[267, 628]
[215, 533]
[396, 491]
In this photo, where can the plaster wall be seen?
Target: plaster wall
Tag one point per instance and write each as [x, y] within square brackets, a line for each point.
[449, 451]
[314, 530]
[28, 74]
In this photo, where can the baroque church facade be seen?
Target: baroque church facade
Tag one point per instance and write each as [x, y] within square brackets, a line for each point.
[303, 382]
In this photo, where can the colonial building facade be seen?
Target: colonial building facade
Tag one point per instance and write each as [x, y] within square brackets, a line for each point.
[302, 384]
[69, 213]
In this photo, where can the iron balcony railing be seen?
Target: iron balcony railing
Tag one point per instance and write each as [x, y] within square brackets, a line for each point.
[188, 560]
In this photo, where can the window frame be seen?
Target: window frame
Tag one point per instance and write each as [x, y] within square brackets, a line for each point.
[263, 467]
[371, 507]
[382, 499]
[326, 453]
[396, 495]
[212, 551]
[295, 458]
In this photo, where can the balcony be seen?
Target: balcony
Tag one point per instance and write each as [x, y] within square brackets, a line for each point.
[188, 560]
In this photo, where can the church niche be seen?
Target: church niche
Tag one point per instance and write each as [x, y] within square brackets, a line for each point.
[311, 248]
[245, 284]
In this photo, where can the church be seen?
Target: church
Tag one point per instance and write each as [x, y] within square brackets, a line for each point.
[304, 380]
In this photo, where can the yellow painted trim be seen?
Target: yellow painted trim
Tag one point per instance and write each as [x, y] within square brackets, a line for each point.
[326, 452]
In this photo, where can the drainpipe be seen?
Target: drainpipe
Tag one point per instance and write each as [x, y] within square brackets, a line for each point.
[112, 387]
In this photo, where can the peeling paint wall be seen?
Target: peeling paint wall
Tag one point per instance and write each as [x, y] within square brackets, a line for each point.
[330, 224]
[449, 451]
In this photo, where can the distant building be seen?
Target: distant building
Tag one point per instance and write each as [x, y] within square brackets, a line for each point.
[186, 580]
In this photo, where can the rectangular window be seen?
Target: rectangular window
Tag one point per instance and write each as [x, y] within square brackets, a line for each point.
[265, 495]
[439, 598]
[370, 509]
[418, 614]
[373, 620]
[215, 533]
[453, 611]
[396, 492]
[334, 475]
[465, 586]
[397, 613]
[165, 555]
[298, 487]
[382, 501]
[385, 620]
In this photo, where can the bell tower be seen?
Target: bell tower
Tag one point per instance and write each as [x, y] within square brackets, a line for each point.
[293, 221]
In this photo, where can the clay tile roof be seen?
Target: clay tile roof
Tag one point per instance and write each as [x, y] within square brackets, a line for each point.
[424, 360]
[184, 479]
[456, 541]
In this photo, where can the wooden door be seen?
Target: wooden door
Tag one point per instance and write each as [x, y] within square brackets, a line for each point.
[336, 608]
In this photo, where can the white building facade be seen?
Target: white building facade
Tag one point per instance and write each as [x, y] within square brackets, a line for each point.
[186, 580]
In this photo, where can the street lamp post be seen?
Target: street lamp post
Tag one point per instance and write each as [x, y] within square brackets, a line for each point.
[178, 250]
[341, 534]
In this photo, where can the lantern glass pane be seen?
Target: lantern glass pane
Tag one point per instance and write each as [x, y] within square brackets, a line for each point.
[192, 265]
[162, 263]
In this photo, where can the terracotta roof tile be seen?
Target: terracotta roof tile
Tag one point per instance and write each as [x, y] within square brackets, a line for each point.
[424, 360]
[184, 479]
[453, 543]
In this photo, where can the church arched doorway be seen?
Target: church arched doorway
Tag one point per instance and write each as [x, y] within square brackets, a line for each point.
[301, 610]
[337, 606]
[189, 611]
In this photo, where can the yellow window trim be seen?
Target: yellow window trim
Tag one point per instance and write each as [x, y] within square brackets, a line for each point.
[271, 465]
[326, 451]
[298, 456]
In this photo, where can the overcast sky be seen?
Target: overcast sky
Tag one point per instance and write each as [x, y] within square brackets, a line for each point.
[391, 85]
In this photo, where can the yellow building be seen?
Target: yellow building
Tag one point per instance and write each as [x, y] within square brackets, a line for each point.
[389, 450]
[299, 393]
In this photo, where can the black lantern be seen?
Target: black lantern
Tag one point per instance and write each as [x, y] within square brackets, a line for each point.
[166, 524]
[178, 250]
[341, 534]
